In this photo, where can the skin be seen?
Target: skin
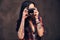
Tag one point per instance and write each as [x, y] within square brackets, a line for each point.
[40, 28]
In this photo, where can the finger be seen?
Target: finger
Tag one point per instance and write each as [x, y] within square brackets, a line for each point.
[25, 10]
[36, 9]
[36, 12]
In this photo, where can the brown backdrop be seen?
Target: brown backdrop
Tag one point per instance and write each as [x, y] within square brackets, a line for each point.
[49, 10]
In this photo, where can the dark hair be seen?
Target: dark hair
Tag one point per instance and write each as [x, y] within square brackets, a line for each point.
[24, 5]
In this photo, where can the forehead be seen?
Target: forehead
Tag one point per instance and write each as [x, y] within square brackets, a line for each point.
[31, 5]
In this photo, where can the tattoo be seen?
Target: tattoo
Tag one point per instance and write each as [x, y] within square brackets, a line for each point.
[39, 26]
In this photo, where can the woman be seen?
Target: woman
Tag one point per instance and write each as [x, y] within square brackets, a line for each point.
[29, 28]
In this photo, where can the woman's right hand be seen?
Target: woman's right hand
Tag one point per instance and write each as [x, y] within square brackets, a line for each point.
[25, 13]
[21, 29]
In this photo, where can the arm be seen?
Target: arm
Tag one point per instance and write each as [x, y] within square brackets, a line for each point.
[40, 28]
[21, 30]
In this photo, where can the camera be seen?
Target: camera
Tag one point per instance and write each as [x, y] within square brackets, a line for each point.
[31, 12]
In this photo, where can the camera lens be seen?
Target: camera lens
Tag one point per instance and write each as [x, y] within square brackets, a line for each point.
[31, 12]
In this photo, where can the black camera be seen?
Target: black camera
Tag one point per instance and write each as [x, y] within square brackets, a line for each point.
[31, 15]
[31, 12]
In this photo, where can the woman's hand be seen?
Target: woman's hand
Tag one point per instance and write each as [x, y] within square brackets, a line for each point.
[25, 13]
[36, 13]
[21, 28]
[40, 28]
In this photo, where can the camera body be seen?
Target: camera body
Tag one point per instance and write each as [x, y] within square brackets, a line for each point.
[31, 12]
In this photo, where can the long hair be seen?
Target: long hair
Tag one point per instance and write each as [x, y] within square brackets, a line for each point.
[24, 5]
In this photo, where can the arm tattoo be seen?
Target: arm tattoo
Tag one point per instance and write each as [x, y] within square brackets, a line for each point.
[39, 26]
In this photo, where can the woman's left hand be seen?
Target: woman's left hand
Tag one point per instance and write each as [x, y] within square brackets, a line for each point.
[36, 13]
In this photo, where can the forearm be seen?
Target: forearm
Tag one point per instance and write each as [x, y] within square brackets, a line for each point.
[21, 30]
[40, 28]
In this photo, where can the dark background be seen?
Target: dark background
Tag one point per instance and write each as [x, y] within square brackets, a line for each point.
[49, 10]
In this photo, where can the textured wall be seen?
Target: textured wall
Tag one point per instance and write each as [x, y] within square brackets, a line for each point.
[9, 11]
[49, 10]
